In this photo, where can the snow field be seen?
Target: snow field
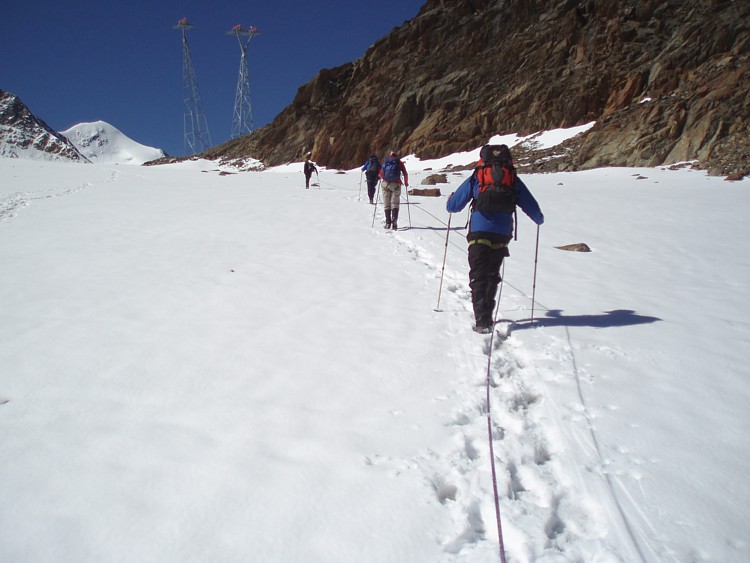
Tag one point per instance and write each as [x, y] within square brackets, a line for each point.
[202, 367]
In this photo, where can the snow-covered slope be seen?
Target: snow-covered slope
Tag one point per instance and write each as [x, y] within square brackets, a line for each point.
[101, 142]
[207, 367]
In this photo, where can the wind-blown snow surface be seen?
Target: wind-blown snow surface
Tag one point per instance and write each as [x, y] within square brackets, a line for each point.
[197, 367]
[103, 143]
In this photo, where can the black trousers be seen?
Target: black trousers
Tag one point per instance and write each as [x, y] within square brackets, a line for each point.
[484, 275]
[371, 185]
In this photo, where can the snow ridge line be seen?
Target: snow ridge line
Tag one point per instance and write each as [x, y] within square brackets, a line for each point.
[10, 205]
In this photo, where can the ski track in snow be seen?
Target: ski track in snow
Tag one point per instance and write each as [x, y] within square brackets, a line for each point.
[535, 488]
[10, 205]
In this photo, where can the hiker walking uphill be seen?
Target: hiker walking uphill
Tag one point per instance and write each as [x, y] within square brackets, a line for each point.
[309, 169]
[371, 168]
[391, 173]
[494, 190]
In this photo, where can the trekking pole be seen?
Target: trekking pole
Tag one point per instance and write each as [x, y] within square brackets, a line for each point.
[359, 196]
[408, 207]
[445, 254]
[500, 292]
[377, 194]
[318, 177]
[536, 259]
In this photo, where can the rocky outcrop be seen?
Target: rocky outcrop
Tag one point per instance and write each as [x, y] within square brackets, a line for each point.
[22, 134]
[665, 80]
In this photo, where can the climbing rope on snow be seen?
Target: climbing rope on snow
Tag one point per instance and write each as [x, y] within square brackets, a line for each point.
[501, 542]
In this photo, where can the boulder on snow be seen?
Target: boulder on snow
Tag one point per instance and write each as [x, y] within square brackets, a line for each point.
[734, 177]
[431, 192]
[433, 179]
[577, 247]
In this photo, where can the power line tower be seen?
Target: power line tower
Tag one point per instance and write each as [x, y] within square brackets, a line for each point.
[197, 136]
[242, 121]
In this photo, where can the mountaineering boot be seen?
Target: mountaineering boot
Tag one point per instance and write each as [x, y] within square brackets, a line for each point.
[483, 329]
[394, 223]
[483, 316]
[387, 218]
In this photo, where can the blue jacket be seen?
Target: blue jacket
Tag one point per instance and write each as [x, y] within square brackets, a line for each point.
[500, 223]
[366, 166]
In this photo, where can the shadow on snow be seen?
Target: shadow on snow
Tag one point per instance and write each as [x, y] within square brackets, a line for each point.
[609, 319]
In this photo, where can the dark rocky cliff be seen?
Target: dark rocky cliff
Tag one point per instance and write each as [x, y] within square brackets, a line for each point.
[21, 132]
[666, 81]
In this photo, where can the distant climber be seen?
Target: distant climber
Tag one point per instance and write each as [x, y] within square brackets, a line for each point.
[309, 169]
[371, 168]
[391, 173]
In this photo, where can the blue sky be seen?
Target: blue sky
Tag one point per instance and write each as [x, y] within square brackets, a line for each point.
[121, 62]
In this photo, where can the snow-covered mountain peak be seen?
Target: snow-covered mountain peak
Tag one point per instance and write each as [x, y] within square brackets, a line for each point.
[101, 142]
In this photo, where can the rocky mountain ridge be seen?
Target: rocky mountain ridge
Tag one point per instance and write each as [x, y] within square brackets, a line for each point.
[22, 134]
[666, 81]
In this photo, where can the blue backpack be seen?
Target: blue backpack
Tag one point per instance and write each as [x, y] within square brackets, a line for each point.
[391, 169]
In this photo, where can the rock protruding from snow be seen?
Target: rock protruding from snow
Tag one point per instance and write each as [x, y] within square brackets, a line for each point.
[576, 247]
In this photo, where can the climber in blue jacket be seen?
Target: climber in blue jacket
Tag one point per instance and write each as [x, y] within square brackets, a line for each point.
[494, 190]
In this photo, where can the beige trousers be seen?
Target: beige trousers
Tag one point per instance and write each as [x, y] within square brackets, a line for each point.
[391, 195]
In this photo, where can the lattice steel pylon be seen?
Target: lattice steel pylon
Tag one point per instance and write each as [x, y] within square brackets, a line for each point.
[242, 120]
[197, 135]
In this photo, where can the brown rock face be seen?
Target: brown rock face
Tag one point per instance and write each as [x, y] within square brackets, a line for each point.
[464, 70]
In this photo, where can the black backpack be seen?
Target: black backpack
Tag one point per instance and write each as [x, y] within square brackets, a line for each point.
[496, 176]
[373, 166]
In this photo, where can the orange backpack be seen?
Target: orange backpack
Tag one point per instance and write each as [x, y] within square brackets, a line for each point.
[496, 176]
